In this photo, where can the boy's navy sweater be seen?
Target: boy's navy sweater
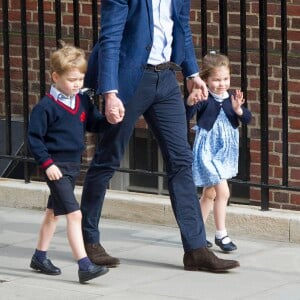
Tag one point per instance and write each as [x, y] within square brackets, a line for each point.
[208, 111]
[57, 133]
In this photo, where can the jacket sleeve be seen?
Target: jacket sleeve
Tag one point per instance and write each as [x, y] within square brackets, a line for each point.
[37, 130]
[189, 65]
[191, 110]
[113, 20]
[245, 118]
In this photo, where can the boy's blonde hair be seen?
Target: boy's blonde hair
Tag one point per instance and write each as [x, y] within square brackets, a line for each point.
[66, 58]
[212, 61]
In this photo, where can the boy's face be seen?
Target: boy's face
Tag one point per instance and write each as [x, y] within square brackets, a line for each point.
[69, 82]
[219, 80]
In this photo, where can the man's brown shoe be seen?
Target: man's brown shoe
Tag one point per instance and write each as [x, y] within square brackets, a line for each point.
[203, 259]
[98, 256]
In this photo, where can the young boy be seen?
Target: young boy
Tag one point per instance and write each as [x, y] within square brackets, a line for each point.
[56, 139]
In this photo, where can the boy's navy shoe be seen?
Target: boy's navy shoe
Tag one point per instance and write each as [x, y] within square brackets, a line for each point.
[45, 267]
[92, 272]
[225, 247]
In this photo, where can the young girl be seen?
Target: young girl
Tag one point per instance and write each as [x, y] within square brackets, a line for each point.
[216, 146]
[56, 139]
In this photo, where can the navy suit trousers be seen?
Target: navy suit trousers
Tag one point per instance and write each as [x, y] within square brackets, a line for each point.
[159, 99]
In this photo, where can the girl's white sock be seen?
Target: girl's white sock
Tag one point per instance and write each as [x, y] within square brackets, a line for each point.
[222, 233]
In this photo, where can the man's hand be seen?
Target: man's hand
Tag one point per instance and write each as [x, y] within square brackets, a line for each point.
[114, 108]
[53, 173]
[198, 87]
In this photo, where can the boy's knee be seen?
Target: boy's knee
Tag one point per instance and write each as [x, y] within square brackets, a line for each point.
[50, 216]
[75, 216]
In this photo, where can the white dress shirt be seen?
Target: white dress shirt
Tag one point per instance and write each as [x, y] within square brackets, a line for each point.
[163, 29]
[59, 96]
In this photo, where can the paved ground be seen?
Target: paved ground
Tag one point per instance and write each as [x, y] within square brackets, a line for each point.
[151, 265]
[241, 220]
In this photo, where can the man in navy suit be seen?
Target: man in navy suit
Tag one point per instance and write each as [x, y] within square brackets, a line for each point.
[141, 45]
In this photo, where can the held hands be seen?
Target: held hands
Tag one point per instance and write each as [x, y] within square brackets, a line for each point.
[197, 89]
[237, 100]
[114, 108]
[53, 173]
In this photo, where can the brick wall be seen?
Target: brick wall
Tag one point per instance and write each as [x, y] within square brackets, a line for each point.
[278, 198]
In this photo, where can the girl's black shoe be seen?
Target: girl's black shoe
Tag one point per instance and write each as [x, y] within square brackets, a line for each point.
[225, 247]
[209, 244]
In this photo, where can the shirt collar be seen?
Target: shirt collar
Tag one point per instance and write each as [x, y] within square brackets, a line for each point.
[219, 98]
[59, 96]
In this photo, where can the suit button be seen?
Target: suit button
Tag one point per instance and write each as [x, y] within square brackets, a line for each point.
[148, 48]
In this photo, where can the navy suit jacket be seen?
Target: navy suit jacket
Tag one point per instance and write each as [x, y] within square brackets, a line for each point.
[118, 59]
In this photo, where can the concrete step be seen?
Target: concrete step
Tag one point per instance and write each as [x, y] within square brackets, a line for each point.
[241, 220]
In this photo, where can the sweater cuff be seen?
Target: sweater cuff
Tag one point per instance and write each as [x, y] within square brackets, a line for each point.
[47, 163]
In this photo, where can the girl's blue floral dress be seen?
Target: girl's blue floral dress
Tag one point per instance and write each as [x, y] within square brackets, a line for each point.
[215, 152]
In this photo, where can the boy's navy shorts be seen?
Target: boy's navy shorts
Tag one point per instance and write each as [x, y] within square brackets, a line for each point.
[62, 198]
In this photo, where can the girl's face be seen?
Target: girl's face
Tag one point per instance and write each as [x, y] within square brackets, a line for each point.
[219, 80]
[69, 82]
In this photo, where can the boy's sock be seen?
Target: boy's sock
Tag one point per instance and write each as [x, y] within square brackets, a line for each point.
[40, 255]
[84, 263]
